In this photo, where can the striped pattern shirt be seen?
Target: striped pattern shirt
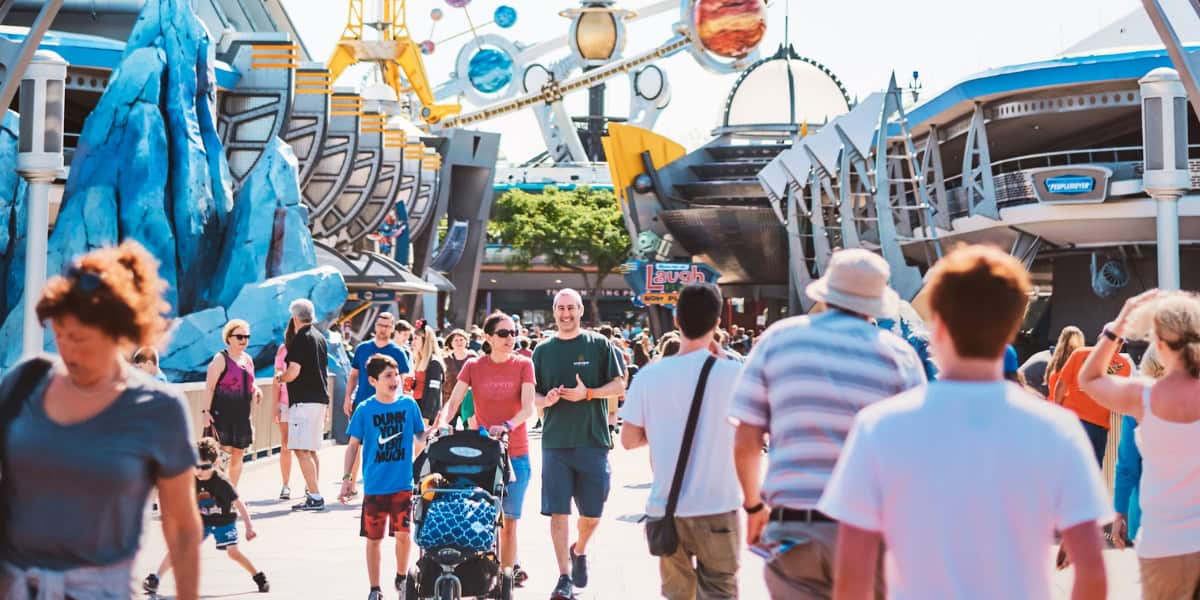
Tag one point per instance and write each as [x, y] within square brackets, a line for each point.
[804, 382]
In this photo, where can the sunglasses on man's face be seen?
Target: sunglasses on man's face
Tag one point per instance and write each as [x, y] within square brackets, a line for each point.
[204, 466]
[244, 337]
[504, 333]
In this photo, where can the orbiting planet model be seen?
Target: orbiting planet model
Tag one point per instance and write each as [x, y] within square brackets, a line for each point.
[490, 70]
[730, 28]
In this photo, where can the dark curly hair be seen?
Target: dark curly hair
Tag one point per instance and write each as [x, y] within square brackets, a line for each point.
[116, 290]
[209, 449]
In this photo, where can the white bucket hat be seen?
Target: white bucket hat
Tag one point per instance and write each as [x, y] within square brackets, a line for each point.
[857, 280]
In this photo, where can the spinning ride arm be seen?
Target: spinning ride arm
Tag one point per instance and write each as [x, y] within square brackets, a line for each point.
[394, 52]
[555, 90]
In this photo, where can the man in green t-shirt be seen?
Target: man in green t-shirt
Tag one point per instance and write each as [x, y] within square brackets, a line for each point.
[576, 372]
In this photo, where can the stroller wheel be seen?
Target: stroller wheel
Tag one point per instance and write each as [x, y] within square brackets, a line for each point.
[506, 587]
[410, 584]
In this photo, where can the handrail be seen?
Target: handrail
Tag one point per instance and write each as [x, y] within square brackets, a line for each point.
[1047, 155]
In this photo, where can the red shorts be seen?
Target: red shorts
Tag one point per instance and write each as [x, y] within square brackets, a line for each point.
[378, 510]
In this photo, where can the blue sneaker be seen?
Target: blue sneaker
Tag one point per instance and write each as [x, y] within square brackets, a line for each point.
[563, 590]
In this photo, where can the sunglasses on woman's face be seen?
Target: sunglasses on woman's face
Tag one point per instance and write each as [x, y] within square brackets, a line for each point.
[503, 333]
[204, 466]
[244, 337]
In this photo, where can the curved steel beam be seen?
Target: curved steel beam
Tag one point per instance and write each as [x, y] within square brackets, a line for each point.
[255, 111]
[307, 127]
[335, 159]
[364, 173]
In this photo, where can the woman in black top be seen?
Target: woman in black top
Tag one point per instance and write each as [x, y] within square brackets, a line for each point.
[429, 372]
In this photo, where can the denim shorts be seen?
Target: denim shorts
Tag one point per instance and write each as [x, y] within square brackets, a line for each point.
[514, 493]
[579, 473]
[225, 535]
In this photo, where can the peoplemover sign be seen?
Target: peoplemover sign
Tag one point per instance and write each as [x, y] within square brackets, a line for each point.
[1077, 184]
[1070, 185]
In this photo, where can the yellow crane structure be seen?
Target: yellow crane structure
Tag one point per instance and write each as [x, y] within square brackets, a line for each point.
[393, 51]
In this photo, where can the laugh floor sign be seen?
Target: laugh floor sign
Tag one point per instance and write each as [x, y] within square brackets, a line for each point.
[660, 282]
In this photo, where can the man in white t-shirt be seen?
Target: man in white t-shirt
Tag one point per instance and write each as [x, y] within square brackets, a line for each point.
[966, 480]
[656, 413]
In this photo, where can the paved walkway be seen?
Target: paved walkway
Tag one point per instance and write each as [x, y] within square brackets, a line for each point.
[319, 555]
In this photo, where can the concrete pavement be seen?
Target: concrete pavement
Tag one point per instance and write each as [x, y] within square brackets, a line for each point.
[320, 555]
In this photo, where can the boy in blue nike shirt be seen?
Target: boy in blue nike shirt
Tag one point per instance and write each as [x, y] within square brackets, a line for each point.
[388, 428]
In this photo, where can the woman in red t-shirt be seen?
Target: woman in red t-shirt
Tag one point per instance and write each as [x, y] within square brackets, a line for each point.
[502, 384]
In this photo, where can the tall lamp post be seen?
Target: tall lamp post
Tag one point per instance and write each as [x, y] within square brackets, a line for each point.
[39, 161]
[1165, 150]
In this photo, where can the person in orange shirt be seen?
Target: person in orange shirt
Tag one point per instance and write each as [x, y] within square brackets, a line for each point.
[1066, 392]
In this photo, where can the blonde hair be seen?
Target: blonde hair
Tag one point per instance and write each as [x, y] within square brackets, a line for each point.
[232, 325]
[1175, 320]
[1150, 365]
[1069, 340]
[429, 348]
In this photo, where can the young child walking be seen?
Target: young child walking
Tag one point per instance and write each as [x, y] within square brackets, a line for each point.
[388, 428]
[217, 500]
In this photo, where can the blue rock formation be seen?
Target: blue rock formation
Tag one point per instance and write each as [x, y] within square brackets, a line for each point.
[265, 305]
[12, 216]
[199, 197]
[117, 187]
[149, 166]
[194, 340]
[271, 191]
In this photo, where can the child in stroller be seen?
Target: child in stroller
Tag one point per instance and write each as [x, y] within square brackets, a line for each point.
[457, 516]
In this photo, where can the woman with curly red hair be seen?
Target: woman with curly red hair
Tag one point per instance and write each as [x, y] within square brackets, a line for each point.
[85, 437]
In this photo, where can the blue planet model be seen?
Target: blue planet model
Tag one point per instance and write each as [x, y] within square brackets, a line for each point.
[490, 70]
[505, 16]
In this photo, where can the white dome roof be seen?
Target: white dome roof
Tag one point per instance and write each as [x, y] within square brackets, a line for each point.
[761, 95]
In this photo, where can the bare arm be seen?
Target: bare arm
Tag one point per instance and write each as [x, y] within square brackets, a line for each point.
[351, 385]
[451, 407]
[241, 509]
[549, 399]
[1083, 545]
[747, 457]
[1120, 394]
[1059, 393]
[182, 531]
[418, 445]
[633, 436]
[527, 410]
[292, 372]
[215, 366]
[857, 556]
[615, 387]
[348, 469]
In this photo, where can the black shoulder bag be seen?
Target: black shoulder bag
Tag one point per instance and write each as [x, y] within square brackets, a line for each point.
[660, 533]
[12, 397]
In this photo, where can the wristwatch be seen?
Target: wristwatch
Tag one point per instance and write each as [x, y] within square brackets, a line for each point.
[754, 509]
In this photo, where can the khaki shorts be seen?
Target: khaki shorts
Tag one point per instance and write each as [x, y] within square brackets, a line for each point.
[1171, 577]
[306, 426]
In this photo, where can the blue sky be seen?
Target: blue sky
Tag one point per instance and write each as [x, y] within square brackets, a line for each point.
[862, 41]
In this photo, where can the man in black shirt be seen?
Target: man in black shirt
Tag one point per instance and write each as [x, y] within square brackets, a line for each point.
[308, 398]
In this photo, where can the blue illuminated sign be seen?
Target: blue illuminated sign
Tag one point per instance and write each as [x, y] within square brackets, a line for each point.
[1069, 185]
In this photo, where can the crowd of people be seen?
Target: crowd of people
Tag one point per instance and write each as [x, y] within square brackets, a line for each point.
[900, 461]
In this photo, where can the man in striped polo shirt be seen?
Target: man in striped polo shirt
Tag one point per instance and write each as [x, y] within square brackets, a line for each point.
[802, 385]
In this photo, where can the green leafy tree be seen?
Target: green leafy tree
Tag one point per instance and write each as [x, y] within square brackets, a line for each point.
[566, 229]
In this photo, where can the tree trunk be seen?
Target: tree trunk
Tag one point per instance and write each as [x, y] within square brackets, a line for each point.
[595, 290]
[595, 308]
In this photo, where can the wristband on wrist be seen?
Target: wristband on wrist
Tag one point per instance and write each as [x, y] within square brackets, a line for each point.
[754, 509]
[589, 394]
[1108, 333]
[347, 477]
[508, 425]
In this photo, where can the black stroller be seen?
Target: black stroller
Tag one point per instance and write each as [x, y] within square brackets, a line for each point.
[456, 522]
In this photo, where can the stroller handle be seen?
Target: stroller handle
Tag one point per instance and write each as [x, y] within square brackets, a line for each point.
[461, 492]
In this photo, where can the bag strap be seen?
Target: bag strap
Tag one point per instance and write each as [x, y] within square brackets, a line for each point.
[19, 388]
[689, 434]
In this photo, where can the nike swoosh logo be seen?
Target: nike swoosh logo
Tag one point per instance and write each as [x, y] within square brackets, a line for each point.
[385, 440]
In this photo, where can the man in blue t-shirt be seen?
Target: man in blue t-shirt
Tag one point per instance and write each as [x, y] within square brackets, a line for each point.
[389, 429]
[358, 388]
